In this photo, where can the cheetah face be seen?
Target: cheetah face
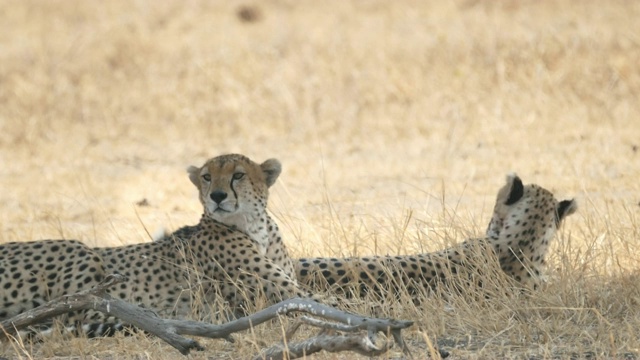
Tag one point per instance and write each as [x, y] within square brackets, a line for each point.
[233, 189]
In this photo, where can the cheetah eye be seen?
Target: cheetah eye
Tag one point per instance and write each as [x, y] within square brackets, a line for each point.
[238, 176]
[206, 177]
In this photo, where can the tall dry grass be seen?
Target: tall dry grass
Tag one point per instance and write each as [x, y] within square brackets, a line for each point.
[395, 121]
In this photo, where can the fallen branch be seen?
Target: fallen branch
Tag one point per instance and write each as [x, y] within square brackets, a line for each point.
[97, 299]
[332, 343]
[359, 343]
[170, 330]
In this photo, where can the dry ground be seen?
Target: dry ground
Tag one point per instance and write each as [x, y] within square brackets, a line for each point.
[395, 121]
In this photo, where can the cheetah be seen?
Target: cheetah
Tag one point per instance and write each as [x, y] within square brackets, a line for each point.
[525, 220]
[234, 254]
[33, 273]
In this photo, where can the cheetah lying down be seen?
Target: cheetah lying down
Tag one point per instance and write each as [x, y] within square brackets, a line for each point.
[525, 220]
[235, 254]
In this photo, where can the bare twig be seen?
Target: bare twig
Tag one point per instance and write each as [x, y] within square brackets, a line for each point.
[328, 326]
[97, 299]
[195, 328]
[171, 330]
[359, 343]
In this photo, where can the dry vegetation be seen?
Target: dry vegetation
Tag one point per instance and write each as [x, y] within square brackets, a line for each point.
[395, 121]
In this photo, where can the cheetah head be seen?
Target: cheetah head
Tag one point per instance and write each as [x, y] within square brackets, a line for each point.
[524, 213]
[233, 189]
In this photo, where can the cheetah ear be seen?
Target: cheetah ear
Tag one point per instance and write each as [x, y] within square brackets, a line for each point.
[194, 173]
[271, 169]
[564, 209]
[516, 189]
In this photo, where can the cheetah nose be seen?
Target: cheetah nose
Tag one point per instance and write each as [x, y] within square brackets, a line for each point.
[218, 196]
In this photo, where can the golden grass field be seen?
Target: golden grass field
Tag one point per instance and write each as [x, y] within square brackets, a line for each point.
[396, 123]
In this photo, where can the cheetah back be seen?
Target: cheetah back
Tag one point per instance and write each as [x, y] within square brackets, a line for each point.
[32, 273]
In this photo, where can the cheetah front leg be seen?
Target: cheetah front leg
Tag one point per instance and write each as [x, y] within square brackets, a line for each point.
[257, 276]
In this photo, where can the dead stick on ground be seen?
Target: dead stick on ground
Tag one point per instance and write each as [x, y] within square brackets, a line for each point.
[332, 343]
[171, 330]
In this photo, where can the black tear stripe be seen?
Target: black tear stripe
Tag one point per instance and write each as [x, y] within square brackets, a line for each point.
[235, 194]
[517, 191]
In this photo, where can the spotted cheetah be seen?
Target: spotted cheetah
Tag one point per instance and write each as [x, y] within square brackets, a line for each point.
[525, 219]
[33, 273]
[235, 254]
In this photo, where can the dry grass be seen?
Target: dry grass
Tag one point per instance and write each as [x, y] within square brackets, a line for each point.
[396, 123]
